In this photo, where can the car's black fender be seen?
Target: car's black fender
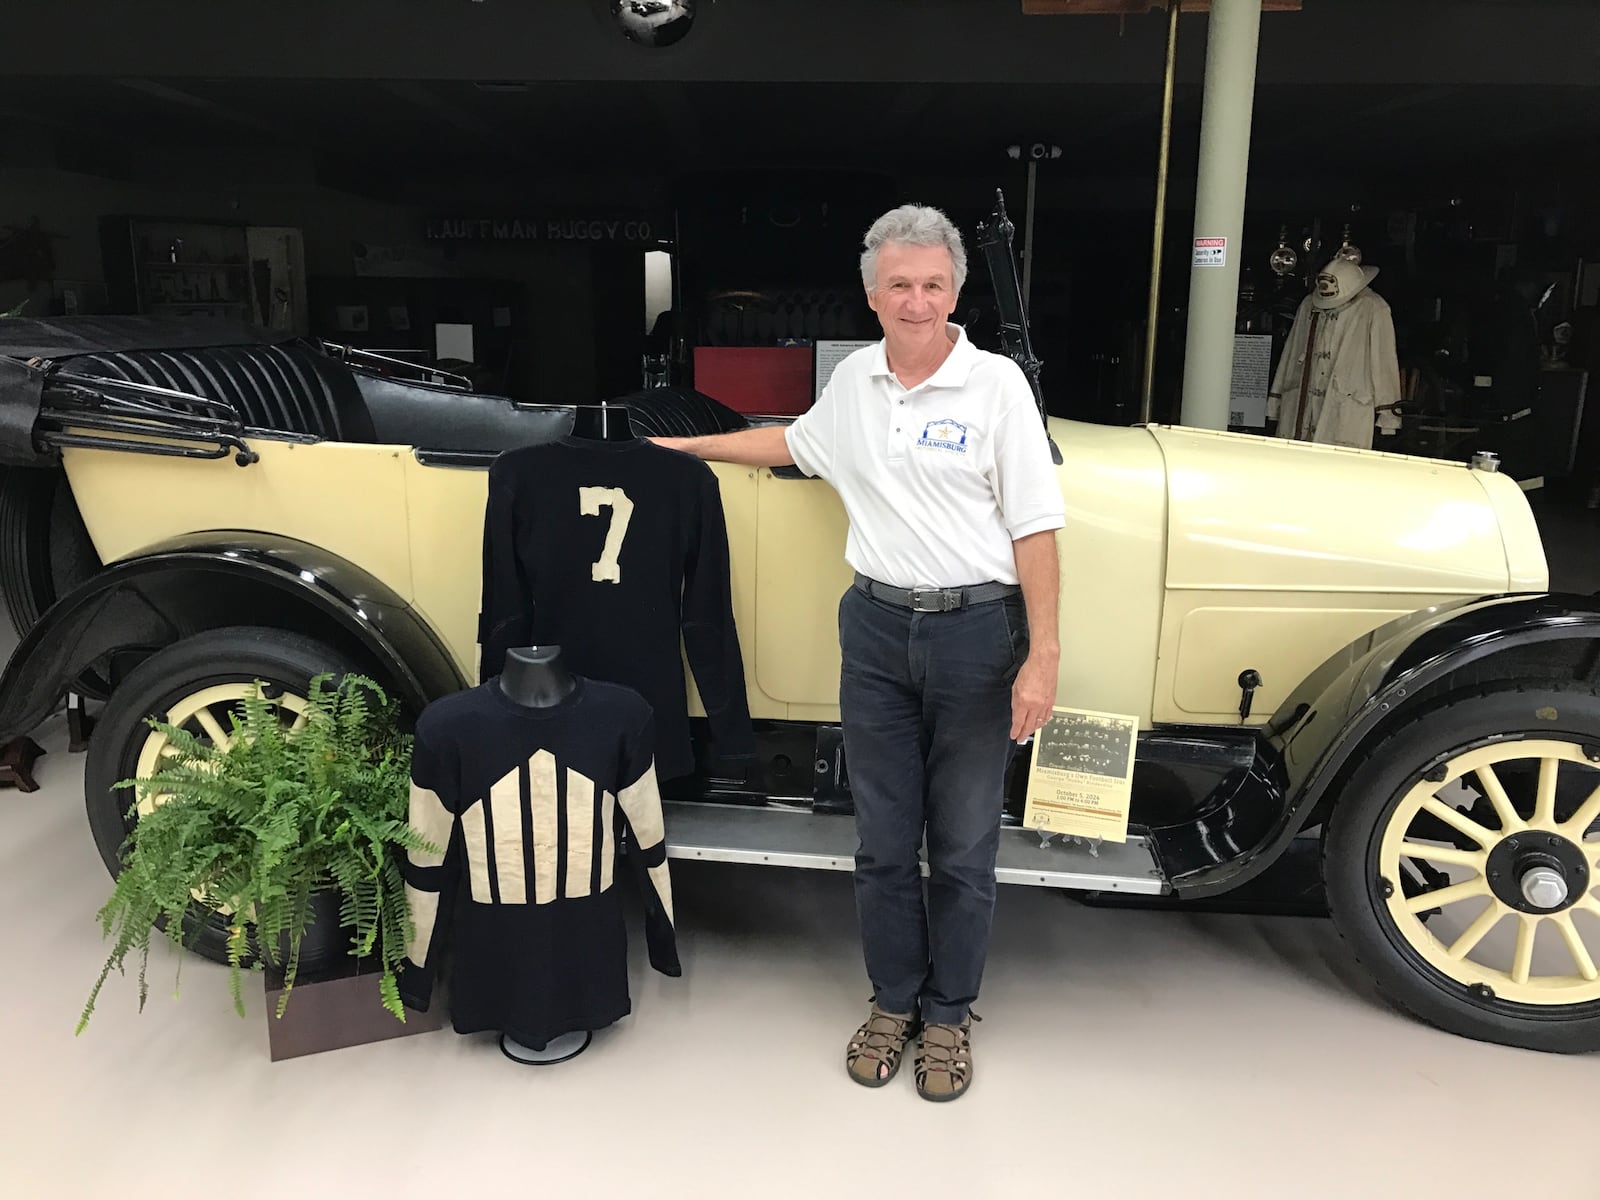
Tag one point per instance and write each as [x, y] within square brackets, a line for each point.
[136, 606]
[1341, 709]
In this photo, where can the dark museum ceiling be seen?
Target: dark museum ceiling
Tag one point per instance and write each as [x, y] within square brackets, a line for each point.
[656, 128]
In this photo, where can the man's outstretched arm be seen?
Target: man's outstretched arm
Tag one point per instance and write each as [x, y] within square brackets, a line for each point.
[763, 446]
[1033, 695]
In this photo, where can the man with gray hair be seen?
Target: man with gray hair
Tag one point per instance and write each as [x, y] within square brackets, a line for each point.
[948, 634]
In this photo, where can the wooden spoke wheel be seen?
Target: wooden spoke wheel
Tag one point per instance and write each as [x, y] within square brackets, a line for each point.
[193, 684]
[1463, 865]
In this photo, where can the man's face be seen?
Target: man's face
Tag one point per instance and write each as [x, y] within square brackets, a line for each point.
[915, 294]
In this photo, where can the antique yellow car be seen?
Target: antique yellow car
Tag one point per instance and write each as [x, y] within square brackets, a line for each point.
[1349, 650]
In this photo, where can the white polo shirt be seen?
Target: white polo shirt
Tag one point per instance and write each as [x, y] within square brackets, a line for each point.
[939, 479]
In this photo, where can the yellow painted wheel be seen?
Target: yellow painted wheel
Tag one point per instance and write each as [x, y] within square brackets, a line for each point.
[1462, 863]
[195, 684]
[1526, 873]
[207, 715]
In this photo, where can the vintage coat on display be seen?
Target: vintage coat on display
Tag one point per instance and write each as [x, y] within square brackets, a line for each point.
[1348, 332]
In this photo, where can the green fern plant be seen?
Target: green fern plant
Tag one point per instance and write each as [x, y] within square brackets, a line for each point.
[255, 830]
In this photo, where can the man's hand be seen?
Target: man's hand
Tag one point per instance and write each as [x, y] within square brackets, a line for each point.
[1033, 695]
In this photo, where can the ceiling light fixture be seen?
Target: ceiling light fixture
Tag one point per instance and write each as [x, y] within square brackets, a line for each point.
[654, 23]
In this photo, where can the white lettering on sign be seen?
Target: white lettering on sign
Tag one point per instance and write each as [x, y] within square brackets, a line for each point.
[1211, 252]
[563, 229]
[598, 231]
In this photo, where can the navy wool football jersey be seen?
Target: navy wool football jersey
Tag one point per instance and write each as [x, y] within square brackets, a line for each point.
[530, 806]
[613, 550]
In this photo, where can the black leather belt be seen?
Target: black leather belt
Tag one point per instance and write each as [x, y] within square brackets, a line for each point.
[936, 600]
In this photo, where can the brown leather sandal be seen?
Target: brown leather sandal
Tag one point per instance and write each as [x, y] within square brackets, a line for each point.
[874, 1054]
[943, 1063]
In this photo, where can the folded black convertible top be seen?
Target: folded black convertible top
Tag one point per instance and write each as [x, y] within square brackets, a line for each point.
[66, 337]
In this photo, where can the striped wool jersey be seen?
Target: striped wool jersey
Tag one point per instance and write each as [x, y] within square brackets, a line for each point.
[530, 806]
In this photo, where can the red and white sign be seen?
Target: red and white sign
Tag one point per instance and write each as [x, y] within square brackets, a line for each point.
[1211, 252]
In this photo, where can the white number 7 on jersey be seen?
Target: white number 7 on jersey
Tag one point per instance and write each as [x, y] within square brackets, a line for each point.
[590, 501]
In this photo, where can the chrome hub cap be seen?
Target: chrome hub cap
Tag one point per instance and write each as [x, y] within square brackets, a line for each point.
[1545, 887]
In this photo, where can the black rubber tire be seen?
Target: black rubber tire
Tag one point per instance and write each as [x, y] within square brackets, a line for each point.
[45, 551]
[233, 654]
[27, 497]
[1510, 711]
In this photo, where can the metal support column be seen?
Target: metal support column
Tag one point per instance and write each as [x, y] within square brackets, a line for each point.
[1232, 41]
[1158, 242]
[1027, 234]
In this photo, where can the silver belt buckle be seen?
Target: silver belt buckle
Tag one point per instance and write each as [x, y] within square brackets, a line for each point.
[935, 600]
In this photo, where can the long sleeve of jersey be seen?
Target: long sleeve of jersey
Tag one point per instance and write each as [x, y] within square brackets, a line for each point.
[710, 638]
[640, 802]
[429, 875]
[505, 616]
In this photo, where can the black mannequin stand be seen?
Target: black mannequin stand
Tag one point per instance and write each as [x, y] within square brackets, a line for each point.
[557, 1050]
[602, 423]
[535, 677]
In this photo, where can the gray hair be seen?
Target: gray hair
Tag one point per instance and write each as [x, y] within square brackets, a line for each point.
[913, 225]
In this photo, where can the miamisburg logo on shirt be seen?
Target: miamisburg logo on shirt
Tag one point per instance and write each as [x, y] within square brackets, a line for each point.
[944, 435]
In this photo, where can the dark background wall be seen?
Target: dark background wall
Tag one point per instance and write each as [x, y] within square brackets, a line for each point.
[358, 120]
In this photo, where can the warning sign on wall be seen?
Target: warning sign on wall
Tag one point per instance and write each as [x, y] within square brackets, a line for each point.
[1211, 252]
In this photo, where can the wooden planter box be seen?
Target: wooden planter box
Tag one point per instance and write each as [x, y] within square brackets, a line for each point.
[334, 1008]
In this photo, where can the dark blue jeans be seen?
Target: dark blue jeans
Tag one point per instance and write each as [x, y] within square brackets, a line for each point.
[926, 706]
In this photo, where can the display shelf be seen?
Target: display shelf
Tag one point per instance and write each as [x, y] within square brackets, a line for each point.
[790, 837]
[157, 264]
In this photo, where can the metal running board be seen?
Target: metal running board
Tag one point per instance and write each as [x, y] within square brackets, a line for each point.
[781, 837]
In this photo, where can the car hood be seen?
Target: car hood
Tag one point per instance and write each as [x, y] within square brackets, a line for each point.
[1251, 512]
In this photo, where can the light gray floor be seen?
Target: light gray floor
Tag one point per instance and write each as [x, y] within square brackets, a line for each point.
[1122, 1054]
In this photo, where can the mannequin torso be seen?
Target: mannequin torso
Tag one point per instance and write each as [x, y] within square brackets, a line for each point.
[535, 677]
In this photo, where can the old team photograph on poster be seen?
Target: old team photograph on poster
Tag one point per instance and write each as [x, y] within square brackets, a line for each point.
[1081, 779]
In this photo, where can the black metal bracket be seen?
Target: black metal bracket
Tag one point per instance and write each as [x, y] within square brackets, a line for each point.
[474, 459]
[994, 240]
[1249, 684]
[371, 358]
[96, 413]
[80, 725]
[831, 791]
[221, 448]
